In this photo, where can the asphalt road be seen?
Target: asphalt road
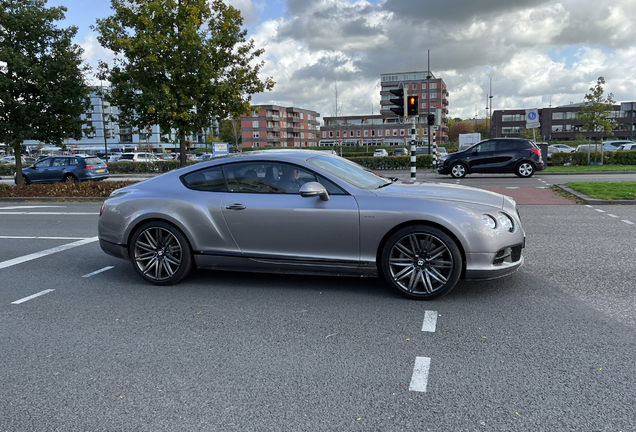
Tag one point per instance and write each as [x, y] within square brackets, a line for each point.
[549, 348]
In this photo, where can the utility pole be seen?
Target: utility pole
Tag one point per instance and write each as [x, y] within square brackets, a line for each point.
[490, 125]
[104, 122]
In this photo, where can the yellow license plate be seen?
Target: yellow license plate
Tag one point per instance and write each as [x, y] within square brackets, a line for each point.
[99, 170]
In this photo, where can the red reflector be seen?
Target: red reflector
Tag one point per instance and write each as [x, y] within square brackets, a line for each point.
[535, 151]
[102, 209]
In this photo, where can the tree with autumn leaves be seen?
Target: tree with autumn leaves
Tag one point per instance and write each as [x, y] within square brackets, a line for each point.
[179, 63]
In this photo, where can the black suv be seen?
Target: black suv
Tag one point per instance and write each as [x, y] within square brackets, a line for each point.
[497, 155]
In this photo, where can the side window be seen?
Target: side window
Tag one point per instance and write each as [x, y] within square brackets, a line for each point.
[44, 163]
[58, 162]
[209, 180]
[486, 146]
[506, 146]
[253, 177]
[331, 187]
[293, 177]
[73, 161]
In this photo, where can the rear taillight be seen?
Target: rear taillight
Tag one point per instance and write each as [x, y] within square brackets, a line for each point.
[535, 151]
[102, 209]
[89, 167]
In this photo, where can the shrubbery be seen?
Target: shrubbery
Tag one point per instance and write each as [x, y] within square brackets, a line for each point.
[88, 189]
[393, 162]
[627, 157]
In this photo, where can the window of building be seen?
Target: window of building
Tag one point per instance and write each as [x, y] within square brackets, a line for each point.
[423, 105]
[510, 130]
[254, 123]
[255, 134]
[557, 116]
[394, 132]
[337, 134]
[358, 133]
[330, 134]
[380, 133]
[324, 134]
[401, 132]
[433, 95]
[366, 133]
[433, 85]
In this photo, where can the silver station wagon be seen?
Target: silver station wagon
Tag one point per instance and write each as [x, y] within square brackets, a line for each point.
[308, 212]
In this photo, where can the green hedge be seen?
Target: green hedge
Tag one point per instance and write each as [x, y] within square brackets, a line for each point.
[627, 157]
[7, 169]
[393, 162]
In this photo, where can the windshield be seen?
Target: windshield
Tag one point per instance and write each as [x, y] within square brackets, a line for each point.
[350, 172]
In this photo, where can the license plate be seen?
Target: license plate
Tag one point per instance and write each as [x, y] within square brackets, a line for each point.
[101, 170]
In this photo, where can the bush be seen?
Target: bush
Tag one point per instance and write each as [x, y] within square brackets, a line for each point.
[393, 162]
[7, 169]
[623, 157]
[89, 189]
[144, 167]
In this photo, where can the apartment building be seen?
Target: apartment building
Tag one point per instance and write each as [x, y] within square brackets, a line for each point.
[102, 130]
[279, 126]
[560, 123]
[385, 128]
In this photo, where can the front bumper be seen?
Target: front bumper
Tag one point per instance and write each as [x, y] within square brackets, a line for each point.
[484, 266]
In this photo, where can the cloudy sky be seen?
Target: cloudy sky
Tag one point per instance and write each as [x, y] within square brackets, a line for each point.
[536, 52]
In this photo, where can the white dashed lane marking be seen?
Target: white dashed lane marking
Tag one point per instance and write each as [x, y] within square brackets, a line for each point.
[419, 380]
[430, 321]
[610, 215]
[20, 260]
[22, 300]
[628, 222]
[98, 271]
[600, 211]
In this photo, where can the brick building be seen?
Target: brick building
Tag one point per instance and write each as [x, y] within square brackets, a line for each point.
[385, 128]
[278, 126]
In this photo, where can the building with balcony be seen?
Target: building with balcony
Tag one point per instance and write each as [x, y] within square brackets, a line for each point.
[278, 126]
[560, 123]
[385, 128]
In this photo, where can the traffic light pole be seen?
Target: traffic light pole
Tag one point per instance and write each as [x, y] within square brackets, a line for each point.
[413, 152]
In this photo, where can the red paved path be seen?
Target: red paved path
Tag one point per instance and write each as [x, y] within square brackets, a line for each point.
[532, 196]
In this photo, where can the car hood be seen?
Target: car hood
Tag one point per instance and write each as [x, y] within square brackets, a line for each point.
[446, 192]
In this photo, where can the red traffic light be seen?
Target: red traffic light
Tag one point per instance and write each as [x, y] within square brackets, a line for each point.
[412, 106]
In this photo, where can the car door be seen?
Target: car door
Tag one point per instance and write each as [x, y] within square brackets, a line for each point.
[269, 224]
[480, 157]
[38, 172]
[58, 169]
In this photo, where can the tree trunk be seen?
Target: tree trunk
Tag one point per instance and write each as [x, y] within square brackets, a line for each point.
[182, 149]
[18, 165]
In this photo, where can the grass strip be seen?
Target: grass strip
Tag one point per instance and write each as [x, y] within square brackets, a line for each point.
[596, 168]
[606, 190]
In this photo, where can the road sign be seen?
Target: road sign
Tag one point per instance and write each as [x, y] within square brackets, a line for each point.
[532, 118]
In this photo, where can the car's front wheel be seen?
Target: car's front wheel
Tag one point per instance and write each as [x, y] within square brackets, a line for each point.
[525, 169]
[458, 170]
[422, 262]
[160, 253]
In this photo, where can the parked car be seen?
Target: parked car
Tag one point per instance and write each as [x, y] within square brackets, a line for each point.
[588, 148]
[614, 145]
[380, 153]
[563, 148]
[240, 212]
[137, 157]
[11, 159]
[631, 146]
[497, 155]
[441, 151]
[204, 157]
[67, 169]
[401, 152]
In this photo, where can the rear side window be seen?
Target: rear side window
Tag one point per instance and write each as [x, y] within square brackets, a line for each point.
[507, 145]
[209, 180]
[73, 161]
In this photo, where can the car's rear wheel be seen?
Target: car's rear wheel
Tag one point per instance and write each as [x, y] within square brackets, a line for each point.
[160, 253]
[458, 170]
[525, 169]
[69, 178]
[422, 262]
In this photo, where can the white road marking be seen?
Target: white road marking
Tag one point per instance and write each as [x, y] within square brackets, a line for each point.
[512, 187]
[600, 211]
[628, 222]
[20, 260]
[540, 187]
[98, 271]
[430, 321]
[587, 205]
[42, 238]
[46, 213]
[611, 215]
[22, 300]
[26, 207]
[419, 379]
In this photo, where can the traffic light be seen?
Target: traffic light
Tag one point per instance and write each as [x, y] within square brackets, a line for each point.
[431, 119]
[399, 101]
[411, 105]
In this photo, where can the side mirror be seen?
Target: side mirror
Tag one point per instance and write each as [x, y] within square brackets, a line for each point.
[314, 189]
[475, 151]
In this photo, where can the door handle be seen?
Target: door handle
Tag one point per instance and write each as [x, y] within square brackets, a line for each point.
[235, 207]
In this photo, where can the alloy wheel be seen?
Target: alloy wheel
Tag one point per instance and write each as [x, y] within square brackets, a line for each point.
[158, 254]
[525, 169]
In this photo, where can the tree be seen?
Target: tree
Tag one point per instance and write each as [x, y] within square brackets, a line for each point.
[596, 109]
[42, 79]
[459, 128]
[230, 131]
[179, 63]
[483, 127]
[529, 133]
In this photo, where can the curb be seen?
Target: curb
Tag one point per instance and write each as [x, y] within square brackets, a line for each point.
[593, 201]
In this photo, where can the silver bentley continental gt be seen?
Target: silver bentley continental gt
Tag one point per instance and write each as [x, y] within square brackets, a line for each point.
[309, 212]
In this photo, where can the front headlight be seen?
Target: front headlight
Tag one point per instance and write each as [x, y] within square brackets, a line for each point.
[489, 221]
[505, 222]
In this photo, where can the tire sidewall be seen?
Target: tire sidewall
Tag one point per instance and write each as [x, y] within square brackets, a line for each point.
[458, 164]
[186, 252]
[453, 278]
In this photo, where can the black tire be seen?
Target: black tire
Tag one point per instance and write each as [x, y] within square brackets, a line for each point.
[160, 253]
[69, 178]
[524, 169]
[25, 180]
[421, 262]
[458, 170]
